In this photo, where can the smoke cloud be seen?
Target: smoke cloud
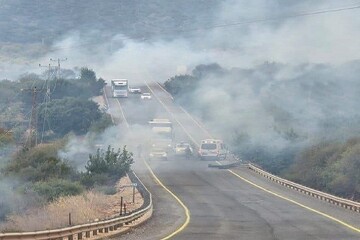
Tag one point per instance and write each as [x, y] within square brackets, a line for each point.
[292, 75]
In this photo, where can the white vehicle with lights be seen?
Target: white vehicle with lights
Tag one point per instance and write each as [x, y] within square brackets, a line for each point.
[119, 87]
[162, 133]
[183, 148]
[158, 153]
[146, 96]
[135, 90]
[212, 149]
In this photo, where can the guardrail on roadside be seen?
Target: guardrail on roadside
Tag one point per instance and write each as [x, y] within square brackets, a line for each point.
[91, 229]
[345, 203]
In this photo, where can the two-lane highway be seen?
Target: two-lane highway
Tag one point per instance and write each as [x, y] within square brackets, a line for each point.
[237, 204]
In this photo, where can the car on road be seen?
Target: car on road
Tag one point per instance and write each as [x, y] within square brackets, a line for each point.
[135, 90]
[183, 148]
[212, 149]
[146, 96]
[158, 153]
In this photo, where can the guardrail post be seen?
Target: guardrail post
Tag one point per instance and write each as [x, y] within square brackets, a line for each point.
[70, 237]
[121, 205]
[87, 234]
[133, 194]
[80, 235]
[70, 219]
[125, 208]
[106, 230]
[94, 232]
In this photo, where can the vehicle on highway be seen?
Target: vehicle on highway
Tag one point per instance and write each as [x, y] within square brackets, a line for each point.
[162, 133]
[119, 87]
[135, 90]
[212, 149]
[158, 153]
[146, 96]
[183, 149]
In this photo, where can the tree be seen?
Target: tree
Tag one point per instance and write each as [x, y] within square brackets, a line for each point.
[181, 84]
[204, 70]
[107, 166]
[39, 164]
[88, 80]
[68, 115]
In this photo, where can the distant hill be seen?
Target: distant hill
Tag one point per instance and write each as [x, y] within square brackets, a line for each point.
[38, 21]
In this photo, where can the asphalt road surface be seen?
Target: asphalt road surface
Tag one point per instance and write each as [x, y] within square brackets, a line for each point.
[222, 205]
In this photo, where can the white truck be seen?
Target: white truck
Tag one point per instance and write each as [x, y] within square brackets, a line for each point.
[162, 133]
[120, 87]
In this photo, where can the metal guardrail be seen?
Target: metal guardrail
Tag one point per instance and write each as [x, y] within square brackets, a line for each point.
[345, 203]
[91, 229]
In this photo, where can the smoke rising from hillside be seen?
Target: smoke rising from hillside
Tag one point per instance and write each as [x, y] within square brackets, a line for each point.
[311, 76]
[306, 86]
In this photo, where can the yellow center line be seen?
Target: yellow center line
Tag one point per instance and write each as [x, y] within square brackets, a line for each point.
[187, 212]
[264, 189]
[172, 115]
[296, 203]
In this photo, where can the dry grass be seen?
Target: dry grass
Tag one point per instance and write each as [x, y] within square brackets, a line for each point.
[88, 207]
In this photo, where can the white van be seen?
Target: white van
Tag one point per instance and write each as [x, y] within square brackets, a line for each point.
[212, 149]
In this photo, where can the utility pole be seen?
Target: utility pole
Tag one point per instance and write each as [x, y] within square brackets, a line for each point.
[47, 95]
[48, 77]
[32, 138]
[59, 65]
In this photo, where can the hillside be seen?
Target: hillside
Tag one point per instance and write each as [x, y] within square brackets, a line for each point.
[47, 20]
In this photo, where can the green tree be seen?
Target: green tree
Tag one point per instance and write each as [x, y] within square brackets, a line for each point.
[68, 115]
[181, 84]
[39, 164]
[107, 166]
[88, 80]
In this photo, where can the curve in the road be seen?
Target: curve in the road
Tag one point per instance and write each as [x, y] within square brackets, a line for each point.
[336, 220]
[296, 203]
[186, 210]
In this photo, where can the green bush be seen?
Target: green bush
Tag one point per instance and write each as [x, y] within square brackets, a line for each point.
[100, 125]
[331, 167]
[90, 180]
[56, 188]
[107, 166]
[39, 164]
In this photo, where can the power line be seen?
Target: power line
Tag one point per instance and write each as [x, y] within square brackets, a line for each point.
[270, 19]
[59, 65]
[234, 24]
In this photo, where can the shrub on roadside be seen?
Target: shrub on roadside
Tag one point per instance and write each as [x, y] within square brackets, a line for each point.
[39, 164]
[107, 166]
[56, 188]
